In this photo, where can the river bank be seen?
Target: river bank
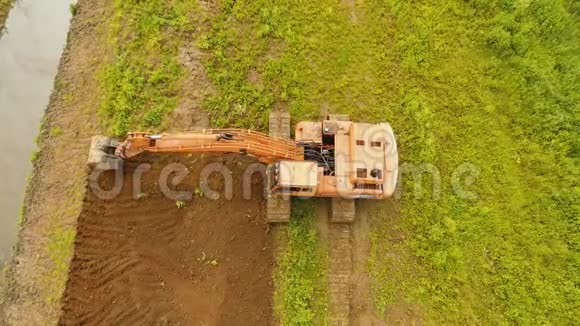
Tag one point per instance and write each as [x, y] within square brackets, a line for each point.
[29, 59]
[37, 275]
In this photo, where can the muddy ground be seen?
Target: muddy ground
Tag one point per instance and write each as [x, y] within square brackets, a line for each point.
[145, 260]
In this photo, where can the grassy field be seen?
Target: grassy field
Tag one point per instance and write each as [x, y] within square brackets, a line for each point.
[494, 85]
[140, 83]
[489, 83]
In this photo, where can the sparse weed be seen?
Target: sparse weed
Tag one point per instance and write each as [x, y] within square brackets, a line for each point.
[34, 156]
[68, 98]
[5, 6]
[180, 204]
[55, 131]
[21, 217]
[73, 8]
[141, 195]
[60, 250]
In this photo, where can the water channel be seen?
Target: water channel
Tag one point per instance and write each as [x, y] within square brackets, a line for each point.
[30, 49]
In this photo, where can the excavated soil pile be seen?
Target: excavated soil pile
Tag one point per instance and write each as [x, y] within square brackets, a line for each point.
[147, 261]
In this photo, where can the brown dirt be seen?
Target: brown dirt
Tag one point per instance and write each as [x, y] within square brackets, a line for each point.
[193, 89]
[351, 7]
[359, 307]
[146, 261]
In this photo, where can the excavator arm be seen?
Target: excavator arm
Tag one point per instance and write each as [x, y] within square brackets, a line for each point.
[265, 148]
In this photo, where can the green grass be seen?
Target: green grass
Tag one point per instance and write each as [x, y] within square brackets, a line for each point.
[300, 295]
[60, 250]
[307, 55]
[496, 94]
[491, 83]
[55, 131]
[140, 84]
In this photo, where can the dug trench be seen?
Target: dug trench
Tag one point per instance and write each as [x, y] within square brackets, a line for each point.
[146, 259]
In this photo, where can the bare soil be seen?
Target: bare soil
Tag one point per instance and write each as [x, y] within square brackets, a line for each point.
[147, 261]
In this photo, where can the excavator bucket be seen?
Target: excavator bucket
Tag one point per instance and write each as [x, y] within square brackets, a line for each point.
[102, 154]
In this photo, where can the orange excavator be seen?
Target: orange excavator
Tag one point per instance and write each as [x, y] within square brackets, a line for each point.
[334, 157]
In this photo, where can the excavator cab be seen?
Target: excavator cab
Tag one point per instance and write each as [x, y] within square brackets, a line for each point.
[293, 178]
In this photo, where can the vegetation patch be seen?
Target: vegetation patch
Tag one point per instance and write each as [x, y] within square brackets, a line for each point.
[5, 6]
[301, 292]
[304, 57]
[488, 83]
[60, 250]
[140, 82]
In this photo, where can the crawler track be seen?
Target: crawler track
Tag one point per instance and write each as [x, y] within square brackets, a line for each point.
[339, 274]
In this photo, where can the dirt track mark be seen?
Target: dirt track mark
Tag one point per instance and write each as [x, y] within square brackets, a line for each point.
[339, 274]
[338, 238]
[362, 307]
[350, 297]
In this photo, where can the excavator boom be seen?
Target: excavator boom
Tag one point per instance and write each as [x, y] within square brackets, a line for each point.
[265, 148]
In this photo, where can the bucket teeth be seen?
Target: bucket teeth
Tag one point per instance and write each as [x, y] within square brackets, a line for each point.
[101, 154]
